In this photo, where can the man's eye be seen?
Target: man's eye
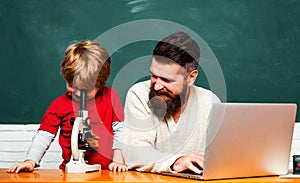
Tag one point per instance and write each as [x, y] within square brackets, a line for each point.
[165, 80]
[155, 77]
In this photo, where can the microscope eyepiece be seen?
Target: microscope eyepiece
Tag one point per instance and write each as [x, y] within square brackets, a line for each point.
[82, 99]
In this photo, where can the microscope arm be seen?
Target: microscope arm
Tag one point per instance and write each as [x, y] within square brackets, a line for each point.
[74, 138]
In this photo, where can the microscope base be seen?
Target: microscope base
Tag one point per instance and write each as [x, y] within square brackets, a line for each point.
[79, 166]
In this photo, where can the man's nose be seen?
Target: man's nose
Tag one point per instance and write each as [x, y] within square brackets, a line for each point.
[158, 84]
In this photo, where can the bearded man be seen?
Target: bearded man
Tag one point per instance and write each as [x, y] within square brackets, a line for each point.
[166, 117]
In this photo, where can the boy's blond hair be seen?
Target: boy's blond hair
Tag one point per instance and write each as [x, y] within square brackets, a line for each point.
[86, 65]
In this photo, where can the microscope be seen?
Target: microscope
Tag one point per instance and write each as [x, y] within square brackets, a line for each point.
[82, 139]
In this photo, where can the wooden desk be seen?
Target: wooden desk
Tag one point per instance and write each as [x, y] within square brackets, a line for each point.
[104, 176]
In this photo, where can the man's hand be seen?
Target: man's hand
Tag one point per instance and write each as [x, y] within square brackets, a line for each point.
[27, 165]
[194, 162]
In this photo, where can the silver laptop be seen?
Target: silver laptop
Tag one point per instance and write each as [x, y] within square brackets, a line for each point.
[247, 140]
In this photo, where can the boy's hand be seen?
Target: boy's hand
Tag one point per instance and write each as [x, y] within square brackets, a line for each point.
[93, 142]
[115, 166]
[27, 165]
[92, 139]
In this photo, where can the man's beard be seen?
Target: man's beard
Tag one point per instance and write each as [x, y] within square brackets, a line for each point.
[164, 103]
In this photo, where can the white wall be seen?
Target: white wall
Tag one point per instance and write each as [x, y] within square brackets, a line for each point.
[14, 142]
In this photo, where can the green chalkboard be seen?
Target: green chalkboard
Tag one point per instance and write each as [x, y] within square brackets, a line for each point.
[256, 44]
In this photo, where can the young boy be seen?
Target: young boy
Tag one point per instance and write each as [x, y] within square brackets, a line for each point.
[86, 65]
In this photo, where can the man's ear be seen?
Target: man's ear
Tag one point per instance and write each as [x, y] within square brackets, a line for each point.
[192, 77]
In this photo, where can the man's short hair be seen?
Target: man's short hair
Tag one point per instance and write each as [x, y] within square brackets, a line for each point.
[178, 47]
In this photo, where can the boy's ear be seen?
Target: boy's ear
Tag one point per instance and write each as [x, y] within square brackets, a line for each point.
[69, 88]
[192, 77]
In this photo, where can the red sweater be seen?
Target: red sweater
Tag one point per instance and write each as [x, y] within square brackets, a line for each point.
[104, 109]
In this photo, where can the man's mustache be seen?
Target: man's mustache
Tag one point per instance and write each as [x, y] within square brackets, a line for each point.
[161, 92]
